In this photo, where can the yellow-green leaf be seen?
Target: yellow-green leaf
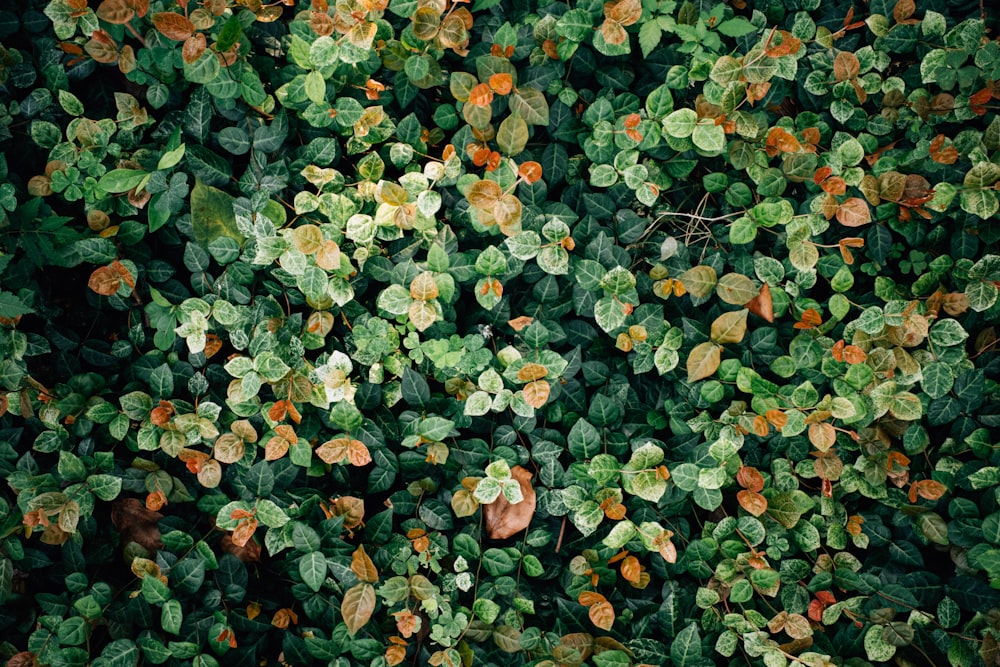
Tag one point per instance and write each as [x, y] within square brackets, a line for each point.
[357, 606]
[703, 361]
[730, 327]
[699, 280]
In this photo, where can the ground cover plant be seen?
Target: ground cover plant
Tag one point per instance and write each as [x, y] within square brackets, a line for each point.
[379, 332]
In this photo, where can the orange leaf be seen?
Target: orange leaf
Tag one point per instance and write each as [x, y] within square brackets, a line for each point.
[358, 454]
[194, 47]
[244, 531]
[519, 323]
[362, 566]
[602, 615]
[822, 174]
[501, 83]
[752, 502]
[750, 478]
[846, 66]
[536, 393]
[284, 617]
[760, 426]
[928, 489]
[481, 95]
[407, 623]
[277, 412]
[854, 354]
[761, 305]
[530, 171]
[777, 418]
[275, 448]
[631, 569]
[172, 26]
[105, 281]
[783, 140]
[253, 610]
[838, 350]
[590, 598]
[822, 435]
[810, 319]
[394, 655]
[155, 501]
[854, 212]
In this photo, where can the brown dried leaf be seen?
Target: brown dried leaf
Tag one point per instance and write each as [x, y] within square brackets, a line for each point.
[504, 520]
[136, 523]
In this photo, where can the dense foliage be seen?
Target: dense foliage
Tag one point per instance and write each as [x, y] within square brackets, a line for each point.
[378, 332]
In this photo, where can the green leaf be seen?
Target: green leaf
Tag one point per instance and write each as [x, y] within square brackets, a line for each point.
[11, 306]
[122, 180]
[512, 135]
[212, 214]
[497, 562]
[685, 650]
[171, 617]
[709, 137]
[680, 123]
[877, 649]
[736, 27]
[530, 103]
[312, 569]
[649, 37]
[104, 487]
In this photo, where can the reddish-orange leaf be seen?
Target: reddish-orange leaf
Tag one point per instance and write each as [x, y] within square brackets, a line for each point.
[481, 156]
[928, 489]
[481, 95]
[854, 354]
[634, 135]
[244, 531]
[105, 281]
[172, 26]
[788, 45]
[602, 615]
[761, 305]
[835, 185]
[750, 478]
[782, 140]
[501, 83]
[590, 598]
[810, 319]
[940, 153]
[977, 101]
[155, 501]
[838, 350]
[752, 502]
[822, 174]
[493, 161]
[278, 411]
[530, 171]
